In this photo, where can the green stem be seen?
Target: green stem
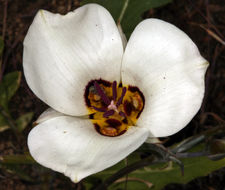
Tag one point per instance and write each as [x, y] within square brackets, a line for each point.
[128, 169]
[123, 11]
[17, 159]
[10, 122]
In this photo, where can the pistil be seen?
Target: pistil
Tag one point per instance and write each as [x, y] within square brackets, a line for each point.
[111, 106]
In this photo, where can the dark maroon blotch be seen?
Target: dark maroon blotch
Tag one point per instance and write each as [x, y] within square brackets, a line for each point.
[136, 89]
[104, 82]
[91, 116]
[113, 123]
[133, 89]
[128, 107]
[86, 93]
[122, 132]
[90, 84]
[125, 121]
[97, 127]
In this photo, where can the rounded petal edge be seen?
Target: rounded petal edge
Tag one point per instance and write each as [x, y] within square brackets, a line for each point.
[62, 53]
[165, 64]
[48, 114]
[72, 146]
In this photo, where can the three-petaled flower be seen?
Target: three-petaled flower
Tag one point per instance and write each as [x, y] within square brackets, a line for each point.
[106, 99]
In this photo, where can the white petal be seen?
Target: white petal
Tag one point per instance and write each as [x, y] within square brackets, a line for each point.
[167, 67]
[122, 35]
[72, 146]
[48, 114]
[62, 53]
[153, 140]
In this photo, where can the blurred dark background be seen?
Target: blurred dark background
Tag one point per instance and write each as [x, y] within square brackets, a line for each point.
[202, 20]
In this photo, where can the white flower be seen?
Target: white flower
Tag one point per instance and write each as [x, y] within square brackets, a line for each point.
[74, 63]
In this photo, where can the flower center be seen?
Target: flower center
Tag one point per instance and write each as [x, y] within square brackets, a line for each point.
[113, 109]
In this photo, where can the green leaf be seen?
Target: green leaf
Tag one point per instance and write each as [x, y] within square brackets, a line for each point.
[9, 85]
[21, 122]
[133, 12]
[1, 45]
[94, 180]
[193, 168]
[17, 171]
[12, 164]
[3, 124]
[163, 174]
[24, 120]
[160, 174]
[3, 127]
[17, 159]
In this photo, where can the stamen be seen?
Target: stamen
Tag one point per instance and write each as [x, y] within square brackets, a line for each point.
[122, 95]
[114, 107]
[99, 109]
[101, 93]
[108, 113]
[114, 89]
[122, 114]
